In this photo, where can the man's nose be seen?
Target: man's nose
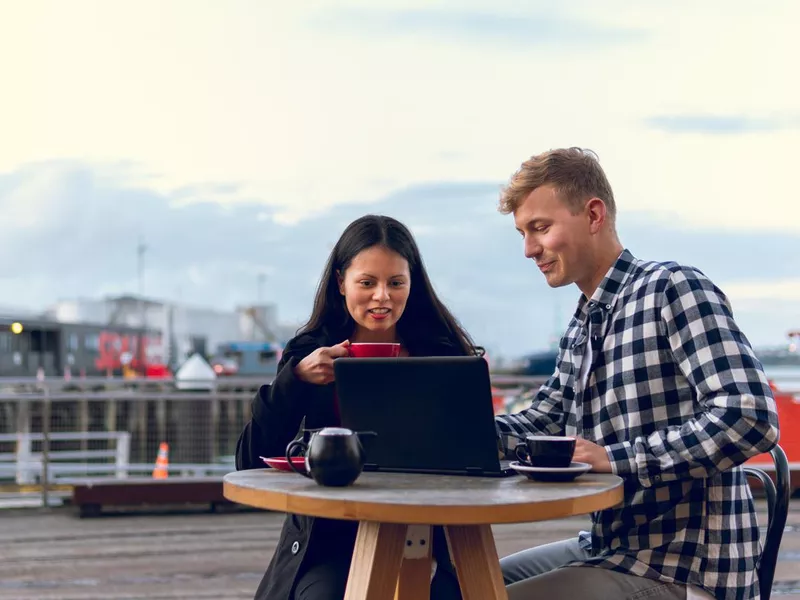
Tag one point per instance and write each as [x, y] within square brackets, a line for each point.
[532, 248]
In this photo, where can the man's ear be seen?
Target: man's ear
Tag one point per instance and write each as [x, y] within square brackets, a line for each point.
[596, 212]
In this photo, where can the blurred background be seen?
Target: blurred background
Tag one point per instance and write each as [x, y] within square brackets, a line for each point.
[173, 175]
[200, 158]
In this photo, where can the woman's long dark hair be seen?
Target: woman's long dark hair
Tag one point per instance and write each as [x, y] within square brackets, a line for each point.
[425, 318]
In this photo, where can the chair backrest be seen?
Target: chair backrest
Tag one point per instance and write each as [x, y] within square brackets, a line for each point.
[778, 494]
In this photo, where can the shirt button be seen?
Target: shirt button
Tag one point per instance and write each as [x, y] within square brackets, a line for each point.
[295, 547]
[608, 307]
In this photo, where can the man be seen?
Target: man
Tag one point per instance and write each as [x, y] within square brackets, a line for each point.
[658, 385]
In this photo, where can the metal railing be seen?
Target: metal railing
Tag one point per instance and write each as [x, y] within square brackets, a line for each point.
[54, 432]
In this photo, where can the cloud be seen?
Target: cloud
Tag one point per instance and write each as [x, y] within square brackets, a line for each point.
[719, 125]
[301, 118]
[764, 290]
[211, 255]
[209, 192]
[241, 138]
[543, 29]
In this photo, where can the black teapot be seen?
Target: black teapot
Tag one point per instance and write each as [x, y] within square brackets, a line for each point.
[334, 455]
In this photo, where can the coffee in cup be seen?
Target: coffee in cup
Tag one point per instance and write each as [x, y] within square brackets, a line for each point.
[374, 350]
[547, 451]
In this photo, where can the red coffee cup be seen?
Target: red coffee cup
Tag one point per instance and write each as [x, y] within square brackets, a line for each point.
[374, 350]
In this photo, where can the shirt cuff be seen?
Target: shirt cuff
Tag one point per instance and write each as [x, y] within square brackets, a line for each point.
[506, 441]
[622, 457]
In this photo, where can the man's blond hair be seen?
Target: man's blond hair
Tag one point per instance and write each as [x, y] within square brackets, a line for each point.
[575, 174]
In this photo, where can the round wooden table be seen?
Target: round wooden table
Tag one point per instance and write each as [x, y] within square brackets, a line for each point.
[391, 558]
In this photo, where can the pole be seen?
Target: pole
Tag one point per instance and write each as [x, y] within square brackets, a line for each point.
[556, 335]
[141, 248]
[261, 279]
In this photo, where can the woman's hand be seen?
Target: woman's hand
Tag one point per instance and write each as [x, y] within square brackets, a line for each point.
[317, 367]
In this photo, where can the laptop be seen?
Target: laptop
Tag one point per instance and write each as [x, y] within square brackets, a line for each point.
[431, 414]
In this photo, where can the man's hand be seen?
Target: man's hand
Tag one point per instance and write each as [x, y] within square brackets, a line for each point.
[590, 453]
[317, 367]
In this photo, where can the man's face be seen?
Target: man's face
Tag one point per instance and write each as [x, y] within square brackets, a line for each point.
[557, 240]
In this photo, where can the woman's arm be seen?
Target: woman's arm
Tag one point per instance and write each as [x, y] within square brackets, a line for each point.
[278, 409]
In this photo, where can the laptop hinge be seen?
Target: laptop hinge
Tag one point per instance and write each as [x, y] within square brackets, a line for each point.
[370, 467]
[474, 470]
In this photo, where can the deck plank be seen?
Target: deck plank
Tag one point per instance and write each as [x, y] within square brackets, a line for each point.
[53, 554]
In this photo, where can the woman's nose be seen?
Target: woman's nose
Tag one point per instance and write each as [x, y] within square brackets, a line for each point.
[381, 292]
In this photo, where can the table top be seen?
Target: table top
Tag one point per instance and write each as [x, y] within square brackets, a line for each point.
[425, 499]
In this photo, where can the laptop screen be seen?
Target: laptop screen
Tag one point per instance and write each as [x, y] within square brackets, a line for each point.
[431, 414]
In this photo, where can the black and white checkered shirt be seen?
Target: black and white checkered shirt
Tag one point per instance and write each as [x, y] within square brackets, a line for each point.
[678, 400]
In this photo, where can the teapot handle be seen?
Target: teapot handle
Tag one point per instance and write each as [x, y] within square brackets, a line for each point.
[289, 449]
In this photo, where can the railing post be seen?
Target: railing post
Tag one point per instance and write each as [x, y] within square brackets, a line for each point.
[25, 466]
[214, 437]
[24, 444]
[46, 447]
[123, 454]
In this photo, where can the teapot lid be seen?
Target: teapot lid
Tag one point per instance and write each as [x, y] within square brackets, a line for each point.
[335, 431]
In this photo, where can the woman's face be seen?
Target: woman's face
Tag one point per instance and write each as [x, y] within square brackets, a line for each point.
[375, 287]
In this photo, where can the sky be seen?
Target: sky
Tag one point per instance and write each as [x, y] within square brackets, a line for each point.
[239, 138]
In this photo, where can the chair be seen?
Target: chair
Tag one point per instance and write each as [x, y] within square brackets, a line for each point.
[777, 494]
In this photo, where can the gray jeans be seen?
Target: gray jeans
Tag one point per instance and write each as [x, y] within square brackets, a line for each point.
[534, 573]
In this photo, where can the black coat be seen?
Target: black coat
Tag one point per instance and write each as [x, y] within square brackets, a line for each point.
[279, 409]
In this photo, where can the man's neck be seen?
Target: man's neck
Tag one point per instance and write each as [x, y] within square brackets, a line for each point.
[605, 260]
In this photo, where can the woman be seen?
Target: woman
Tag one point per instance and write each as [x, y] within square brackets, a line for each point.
[374, 289]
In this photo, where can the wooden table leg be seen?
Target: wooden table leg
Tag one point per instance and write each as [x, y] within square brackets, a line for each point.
[474, 554]
[414, 582]
[377, 556]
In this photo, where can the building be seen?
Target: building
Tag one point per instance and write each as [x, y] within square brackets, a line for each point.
[34, 345]
[181, 329]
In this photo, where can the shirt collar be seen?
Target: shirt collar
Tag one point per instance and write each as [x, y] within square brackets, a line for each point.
[607, 293]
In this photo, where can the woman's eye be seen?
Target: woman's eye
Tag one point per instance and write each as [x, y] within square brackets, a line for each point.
[366, 283]
[398, 283]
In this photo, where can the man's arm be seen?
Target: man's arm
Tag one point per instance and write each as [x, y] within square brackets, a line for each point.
[738, 419]
[545, 415]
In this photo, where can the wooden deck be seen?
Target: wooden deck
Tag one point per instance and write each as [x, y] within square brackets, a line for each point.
[48, 555]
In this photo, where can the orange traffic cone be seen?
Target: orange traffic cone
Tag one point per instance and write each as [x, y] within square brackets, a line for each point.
[162, 462]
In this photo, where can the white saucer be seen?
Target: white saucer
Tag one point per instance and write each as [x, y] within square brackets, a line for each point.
[574, 470]
[579, 467]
